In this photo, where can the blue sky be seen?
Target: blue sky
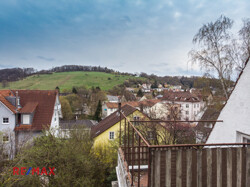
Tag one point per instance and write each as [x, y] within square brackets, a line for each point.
[126, 35]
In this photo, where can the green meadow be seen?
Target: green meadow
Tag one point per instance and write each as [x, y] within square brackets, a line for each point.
[67, 80]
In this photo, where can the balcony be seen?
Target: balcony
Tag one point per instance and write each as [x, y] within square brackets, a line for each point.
[143, 163]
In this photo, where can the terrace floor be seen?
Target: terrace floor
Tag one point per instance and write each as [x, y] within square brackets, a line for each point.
[143, 179]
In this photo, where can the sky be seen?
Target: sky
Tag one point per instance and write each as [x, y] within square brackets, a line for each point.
[152, 36]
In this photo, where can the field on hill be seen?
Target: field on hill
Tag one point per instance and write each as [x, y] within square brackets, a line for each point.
[67, 80]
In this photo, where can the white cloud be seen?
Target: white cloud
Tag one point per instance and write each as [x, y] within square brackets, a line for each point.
[177, 15]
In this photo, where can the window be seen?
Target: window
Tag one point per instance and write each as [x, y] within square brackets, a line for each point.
[5, 120]
[208, 125]
[246, 140]
[242, 138]
[194, 105]
[187, 105]
[187, 112]
[136, 118]
[197, 105]
[26, 119]
[111, 135]
[5, 138]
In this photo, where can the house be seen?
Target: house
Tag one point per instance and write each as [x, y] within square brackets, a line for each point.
[108, 108]
[235, 127]
[132, 90]
[191, 105]
[67, 126]
[144, 105]
[24, 114]
[145, 97]
[165, 111]
[108, 129]
[113, 99]
[146, 88]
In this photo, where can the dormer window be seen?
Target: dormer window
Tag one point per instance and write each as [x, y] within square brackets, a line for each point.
[26, 119]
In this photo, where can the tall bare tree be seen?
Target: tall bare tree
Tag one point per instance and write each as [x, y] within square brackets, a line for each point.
[219, 51]
[245, 39]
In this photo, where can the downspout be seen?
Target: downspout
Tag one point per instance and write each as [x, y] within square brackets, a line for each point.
[16, 125]
[119, 106]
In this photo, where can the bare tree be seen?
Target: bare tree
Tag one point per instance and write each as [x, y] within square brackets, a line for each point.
[245, 39]
[170, 132]
[219, 52]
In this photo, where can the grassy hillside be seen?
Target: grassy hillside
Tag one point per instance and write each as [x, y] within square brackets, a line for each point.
[66, 80]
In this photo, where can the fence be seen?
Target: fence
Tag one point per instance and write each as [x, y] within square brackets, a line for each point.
[207, 167]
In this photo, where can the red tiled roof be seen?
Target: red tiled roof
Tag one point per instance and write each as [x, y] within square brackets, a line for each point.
[111, 120]
[112, 105]
[23, 128]
[3, 94]
[28, 108]
[45, 100]
[6, 93]
[147, 102]
[180, 96]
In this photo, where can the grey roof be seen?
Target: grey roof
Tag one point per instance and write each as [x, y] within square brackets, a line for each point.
[159, 96]
[70, 124]
[112, 98]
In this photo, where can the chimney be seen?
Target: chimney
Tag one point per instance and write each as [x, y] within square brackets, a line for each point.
[17, 100]
[141, 107]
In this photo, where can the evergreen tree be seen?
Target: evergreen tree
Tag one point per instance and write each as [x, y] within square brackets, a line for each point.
[74, 90]
[139, 93]
[155, 85]
[58, 89]
[98, 112]
[153, 94]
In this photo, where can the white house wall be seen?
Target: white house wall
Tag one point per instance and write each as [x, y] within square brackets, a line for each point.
[5, 112]
[194, 109]
[56, 115]
[7, 129]
[235, 114]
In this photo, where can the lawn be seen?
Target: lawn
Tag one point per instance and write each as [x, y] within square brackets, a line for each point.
[67, 80]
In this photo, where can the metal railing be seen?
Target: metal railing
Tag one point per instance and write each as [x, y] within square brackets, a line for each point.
[136, 151]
